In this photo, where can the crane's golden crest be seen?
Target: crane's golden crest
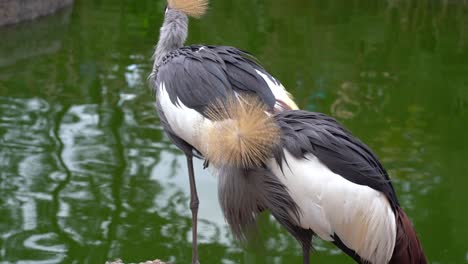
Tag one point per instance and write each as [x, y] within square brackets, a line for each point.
[193, 8]
[242, 134]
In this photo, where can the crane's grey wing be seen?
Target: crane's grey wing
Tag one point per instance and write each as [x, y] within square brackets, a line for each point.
[306, 132]
[242, 72]
[199, 76]
[244, 193]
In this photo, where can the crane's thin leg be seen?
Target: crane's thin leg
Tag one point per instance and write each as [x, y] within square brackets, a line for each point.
[194, 207]
[306, 252]
[306, 243]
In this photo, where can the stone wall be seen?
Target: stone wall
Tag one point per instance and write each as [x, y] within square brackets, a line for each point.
[14, 11]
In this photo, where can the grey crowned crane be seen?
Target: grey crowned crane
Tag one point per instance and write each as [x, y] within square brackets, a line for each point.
[188, 79]
[316, 178]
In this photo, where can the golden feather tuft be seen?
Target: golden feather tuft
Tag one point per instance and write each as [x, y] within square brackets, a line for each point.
[193, 8]
[242, 134]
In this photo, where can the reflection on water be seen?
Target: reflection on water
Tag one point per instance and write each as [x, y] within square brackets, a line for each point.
[31, 39]
[87, 175]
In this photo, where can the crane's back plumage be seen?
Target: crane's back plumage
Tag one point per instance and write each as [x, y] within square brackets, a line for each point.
[200, 75]
[318, 134]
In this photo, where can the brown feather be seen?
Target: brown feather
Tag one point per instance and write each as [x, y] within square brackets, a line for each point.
[242, 133]
[193, 8]
[408, 249]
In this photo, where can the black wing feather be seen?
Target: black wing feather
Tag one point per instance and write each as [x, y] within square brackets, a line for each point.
[306, 132]
[198, 76]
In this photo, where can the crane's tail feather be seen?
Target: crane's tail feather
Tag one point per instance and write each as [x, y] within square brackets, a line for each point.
[408, 249]
[193, 8]
[242, 133]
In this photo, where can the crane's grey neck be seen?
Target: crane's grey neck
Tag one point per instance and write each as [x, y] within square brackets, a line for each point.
[172, 35]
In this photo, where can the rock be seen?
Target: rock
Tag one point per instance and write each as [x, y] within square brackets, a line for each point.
[14, 11]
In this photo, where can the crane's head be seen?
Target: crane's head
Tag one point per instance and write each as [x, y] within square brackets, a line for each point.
[193, 8]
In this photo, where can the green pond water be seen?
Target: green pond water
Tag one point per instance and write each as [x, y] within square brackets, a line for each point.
[86, 174]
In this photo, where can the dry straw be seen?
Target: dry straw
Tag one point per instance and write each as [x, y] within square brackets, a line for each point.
[193, 8]
[242, 134]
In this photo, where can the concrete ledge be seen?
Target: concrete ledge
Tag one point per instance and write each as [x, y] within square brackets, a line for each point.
[14, 11]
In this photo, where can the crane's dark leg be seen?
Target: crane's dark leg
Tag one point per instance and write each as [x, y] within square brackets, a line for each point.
[306, 250]
[306, 253]
[305, 238]
[194, 207]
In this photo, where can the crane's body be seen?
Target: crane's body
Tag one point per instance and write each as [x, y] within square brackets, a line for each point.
[322, 180]
[338, 209]
[189, 80]
[344, 191]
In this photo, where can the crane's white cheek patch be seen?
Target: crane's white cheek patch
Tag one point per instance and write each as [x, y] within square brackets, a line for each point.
[330, 204]
[185, 122]
[279, 92]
